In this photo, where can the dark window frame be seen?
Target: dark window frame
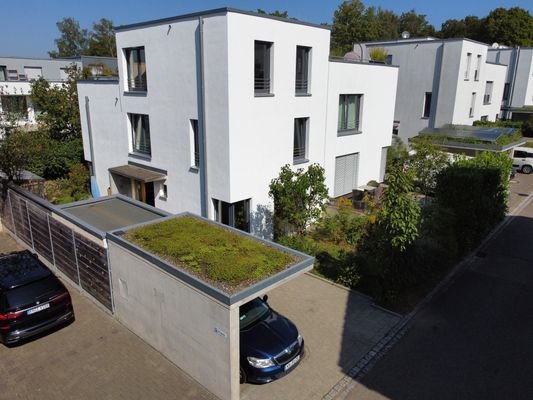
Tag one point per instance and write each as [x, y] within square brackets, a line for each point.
[428, 96]
[141, 141]
[228, 213]
[136, 65]
[343, 124]
[300, 140]
[303, 57]
[262, 67]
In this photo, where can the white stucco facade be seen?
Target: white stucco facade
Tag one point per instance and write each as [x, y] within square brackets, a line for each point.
[201, 67]
[454, 72]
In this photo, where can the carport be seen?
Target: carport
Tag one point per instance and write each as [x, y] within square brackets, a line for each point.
[193, 321]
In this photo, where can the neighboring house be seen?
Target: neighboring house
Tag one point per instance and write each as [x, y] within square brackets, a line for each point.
[442, 82]
[518, 91]
[17, 73]
[209, 106]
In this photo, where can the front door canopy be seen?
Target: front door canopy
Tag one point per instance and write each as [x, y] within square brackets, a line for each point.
[140, 174]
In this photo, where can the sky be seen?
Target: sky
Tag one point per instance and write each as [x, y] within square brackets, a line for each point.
[28, 28]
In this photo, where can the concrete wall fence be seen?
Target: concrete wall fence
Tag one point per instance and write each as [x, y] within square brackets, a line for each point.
[78, 253]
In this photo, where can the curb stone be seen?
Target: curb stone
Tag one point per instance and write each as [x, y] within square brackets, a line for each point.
[341, 390]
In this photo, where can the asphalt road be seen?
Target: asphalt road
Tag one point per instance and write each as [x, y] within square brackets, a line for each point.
[474, 340]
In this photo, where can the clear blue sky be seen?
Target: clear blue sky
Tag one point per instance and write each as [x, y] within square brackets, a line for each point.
[28, 28]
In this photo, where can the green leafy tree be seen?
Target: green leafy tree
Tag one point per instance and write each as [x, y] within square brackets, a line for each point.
[416, 24]
[102, 39]
[73, 41]
[397, 154]
[389, 24]
[299, 198]
[400, 212]
[427, 162]
[276, 13]
[510, 26]
[58, 104]
[18, 150]
[348, 26]
[470, 27]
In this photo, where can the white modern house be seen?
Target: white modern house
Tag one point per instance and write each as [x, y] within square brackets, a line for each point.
[518, 90]
[440, 82]
[209, 106]
[17, 73]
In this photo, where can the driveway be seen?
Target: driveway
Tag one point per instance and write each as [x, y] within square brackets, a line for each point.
[93, 358]
[339, 327]
[473, 340]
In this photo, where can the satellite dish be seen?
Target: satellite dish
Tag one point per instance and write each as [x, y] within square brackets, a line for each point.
[495, 45]
[406, 35]
[356, 54]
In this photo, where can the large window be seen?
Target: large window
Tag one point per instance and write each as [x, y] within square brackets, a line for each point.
[15, 105]
[136, 65]
[140, 129]
[300, 140]
[236, 214]
[195, 142]
[302, 69]
[349, 113]
[262, 73]
[487, 97]
[427, 105]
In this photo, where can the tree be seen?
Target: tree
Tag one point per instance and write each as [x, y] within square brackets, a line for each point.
[427, 162]
[58, 104]
[512, 26]
[18, 150]
[397, 154]
[389, 24]
[102, 39]
[74, 41]
[299, 197]
[277, 13]
[348, 26]
[400, 212]
[416, 24]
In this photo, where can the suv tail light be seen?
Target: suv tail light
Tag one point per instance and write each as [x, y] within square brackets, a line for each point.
[4, 318]
[61, 297]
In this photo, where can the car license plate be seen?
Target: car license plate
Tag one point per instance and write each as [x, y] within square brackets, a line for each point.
[292, 362]
[38, 308]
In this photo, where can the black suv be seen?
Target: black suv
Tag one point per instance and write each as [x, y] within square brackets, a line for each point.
[32, 299]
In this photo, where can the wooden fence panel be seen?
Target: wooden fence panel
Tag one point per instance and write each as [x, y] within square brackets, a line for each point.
[20, 217]
[40, 232]
[64, 252]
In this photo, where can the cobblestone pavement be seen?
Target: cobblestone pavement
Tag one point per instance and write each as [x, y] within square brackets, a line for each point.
[93, 358]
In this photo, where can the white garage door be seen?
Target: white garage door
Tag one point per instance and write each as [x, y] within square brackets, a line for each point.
[345, 174]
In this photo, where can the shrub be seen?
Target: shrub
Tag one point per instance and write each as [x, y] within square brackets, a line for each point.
[378, 54]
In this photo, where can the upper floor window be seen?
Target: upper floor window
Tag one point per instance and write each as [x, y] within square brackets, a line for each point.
[427, 104]
[478, 68]
[136, 64]
[349, 112]
[140, 129]
[3, 73]
[468, 65]
[262, 67]
[302, 69]
[300, 140]
[487, 97]
[195, 144]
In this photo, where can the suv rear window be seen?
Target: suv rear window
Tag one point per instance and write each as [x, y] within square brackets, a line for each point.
[28, 294]
[522, 154]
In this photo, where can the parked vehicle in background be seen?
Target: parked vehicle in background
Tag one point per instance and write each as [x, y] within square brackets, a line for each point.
[270, 344]
[32, 299]
[523, 159]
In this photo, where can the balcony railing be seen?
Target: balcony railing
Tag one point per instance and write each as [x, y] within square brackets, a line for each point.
[299, 153]
[302, 86]
[262, 85]
[137, 84]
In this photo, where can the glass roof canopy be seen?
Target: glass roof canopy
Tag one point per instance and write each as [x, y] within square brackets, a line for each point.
[483, 133]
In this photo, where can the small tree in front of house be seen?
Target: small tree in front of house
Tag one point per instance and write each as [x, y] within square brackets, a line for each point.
[299, 198]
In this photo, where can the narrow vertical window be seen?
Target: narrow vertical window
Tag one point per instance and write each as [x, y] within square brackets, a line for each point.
[468, 65]
[3, 73]
[136, 65]
[140, 129]
[487, 97]
[302, 69]
[300, 140]
[262, 73]
[472, 105]
[427, 104]
[506, 88]
[477, 72]
[195, 142]
[349, 112]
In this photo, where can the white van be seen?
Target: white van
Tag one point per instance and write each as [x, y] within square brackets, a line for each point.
[523, 159]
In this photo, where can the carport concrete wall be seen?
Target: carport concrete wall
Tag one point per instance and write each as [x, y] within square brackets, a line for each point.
[194, 331]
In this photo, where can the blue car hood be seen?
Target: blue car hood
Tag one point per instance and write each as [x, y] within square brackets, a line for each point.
[268, 337]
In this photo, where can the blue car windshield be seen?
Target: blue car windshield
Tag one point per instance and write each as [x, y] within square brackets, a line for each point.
[252, 312]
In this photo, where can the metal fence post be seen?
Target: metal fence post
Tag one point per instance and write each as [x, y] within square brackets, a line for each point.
[29, 224]
[76, 258]
[109, 277]
[11, 209]
[51, 241]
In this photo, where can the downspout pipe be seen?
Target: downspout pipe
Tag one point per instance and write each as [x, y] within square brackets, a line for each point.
[202, 137]
[94, 186]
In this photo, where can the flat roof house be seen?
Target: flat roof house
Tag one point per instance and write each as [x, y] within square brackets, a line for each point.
[17, 73]
[441, 82]
[518, 90]
[209, 106]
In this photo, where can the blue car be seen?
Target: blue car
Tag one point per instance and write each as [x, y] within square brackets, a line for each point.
[271, 345]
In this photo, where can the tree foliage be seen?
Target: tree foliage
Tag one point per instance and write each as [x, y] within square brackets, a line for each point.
[18, 149]
[416, 24]
[77, 41]
[276, 13]
[427, 162]
[299, 197]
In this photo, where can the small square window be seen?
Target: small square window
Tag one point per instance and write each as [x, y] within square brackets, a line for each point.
[349, 112]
